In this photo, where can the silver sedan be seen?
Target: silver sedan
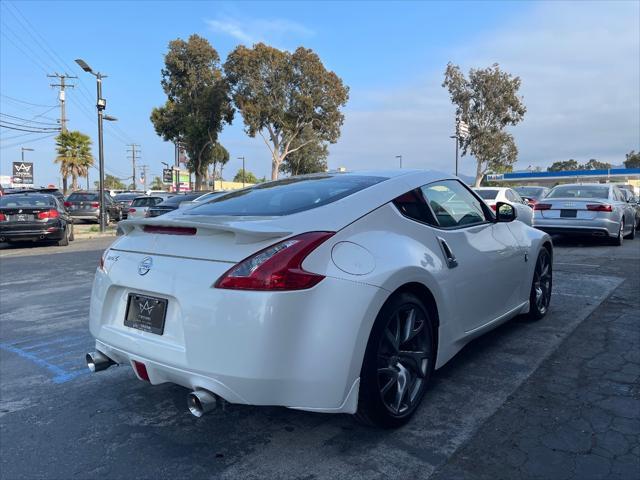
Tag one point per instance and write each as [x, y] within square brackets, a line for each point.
[598, 210]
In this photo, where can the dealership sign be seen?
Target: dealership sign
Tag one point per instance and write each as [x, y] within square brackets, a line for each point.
[23, 173]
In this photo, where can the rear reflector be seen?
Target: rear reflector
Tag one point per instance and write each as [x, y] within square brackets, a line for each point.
[600, 207]
[67, 204]
[170, 230]
[141, 370]
[48, 214]
[542, 206]
[278, 267]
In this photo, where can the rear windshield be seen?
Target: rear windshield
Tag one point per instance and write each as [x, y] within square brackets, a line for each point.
[534, 192]
[487, 194]
[287, 196]
[82, 197]
[579, 191]
[178, 199]
[18, 200]
[125, 196]
[146, 202]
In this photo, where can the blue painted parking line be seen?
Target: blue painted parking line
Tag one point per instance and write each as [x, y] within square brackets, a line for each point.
[65, 363]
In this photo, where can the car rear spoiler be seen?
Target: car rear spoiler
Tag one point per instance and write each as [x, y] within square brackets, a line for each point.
[245, 232]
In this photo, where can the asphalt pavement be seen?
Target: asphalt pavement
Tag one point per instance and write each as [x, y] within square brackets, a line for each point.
[559, 398]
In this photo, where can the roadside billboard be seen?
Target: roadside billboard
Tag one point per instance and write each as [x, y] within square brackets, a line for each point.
[23, 173]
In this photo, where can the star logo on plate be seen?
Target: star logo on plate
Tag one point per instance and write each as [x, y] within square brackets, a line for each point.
[146, 307]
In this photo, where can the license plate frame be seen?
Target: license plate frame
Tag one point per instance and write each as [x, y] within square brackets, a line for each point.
[143, 314]
[568, 213]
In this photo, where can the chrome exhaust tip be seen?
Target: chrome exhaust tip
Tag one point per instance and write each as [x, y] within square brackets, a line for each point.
[201, 402]
[97, 361]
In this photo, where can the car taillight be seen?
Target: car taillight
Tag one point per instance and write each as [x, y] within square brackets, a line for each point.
[278, 267]
[132, 210]
[48, 214]
[600, 207]
[493, 207]
[542, 206]
[3, 218]
[95, 205]
[67, 204]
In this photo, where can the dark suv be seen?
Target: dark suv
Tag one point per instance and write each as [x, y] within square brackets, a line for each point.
[86, 206]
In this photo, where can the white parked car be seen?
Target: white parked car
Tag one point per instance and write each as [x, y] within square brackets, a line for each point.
[336, 292]
[140, 206]
[493, 195]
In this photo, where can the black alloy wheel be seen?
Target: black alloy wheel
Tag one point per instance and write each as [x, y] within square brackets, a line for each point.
[398, 363]
[541, 286]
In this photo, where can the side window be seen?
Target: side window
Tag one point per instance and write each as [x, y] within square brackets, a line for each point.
[617, 195]
[453, 205]
[413, 205]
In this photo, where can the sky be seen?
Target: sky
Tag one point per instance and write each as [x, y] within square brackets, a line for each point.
[579, 63]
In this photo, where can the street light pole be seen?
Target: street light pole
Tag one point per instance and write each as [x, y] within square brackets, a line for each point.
[400, 157]
[101, 104]
[244, 172]
[24, 149]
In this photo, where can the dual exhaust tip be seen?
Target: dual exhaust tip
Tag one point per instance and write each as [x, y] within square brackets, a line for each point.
[198, 401]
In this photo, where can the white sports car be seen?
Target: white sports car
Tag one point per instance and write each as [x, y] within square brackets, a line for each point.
[336, 292]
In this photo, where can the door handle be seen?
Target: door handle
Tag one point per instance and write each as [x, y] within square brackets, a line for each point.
[448, 253]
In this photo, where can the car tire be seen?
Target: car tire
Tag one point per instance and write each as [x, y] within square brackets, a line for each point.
[632, 234]
[541, 286]
[398, 362]
[64, 241]
[619, 240]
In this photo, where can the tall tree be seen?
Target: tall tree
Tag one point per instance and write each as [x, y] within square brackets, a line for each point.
[488, 102]
[157, 184]
[198, 103]
[218, 156]
[74, 156]
[282, 94]
[246, 176]
[633, 160]
[570, 164]
[111, 183]
[311, 158]
[594, 164]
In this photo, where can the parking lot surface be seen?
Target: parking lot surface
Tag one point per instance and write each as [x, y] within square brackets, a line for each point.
[559, 398]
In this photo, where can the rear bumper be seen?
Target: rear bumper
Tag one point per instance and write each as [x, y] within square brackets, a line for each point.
[50, 233]
[596, 228]
[85, 215]
[300, 350]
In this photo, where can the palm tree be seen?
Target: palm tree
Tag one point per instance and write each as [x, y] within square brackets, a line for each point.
[74, 156]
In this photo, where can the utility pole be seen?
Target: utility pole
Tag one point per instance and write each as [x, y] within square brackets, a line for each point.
[61, 96]
[133, 158]
[400, 157]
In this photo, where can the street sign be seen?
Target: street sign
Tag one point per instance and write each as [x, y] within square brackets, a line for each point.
[23, 173]
[167, 175]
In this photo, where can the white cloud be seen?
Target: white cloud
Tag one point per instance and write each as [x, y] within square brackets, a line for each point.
[250, 31]
[580, 69]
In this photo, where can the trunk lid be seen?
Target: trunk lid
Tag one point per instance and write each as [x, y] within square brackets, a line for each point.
[566, 207]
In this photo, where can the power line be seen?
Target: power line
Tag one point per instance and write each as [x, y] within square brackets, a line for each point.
[28, 103]
[27, 142]
[28, 120]
[14, 126]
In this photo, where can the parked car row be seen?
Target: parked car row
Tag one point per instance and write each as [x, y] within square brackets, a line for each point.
[43, 214]
[608, 211]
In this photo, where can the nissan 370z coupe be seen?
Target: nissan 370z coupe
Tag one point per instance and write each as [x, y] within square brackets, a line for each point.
[336, 292]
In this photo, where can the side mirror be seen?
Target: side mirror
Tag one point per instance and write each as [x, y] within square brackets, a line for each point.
[505, 212]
